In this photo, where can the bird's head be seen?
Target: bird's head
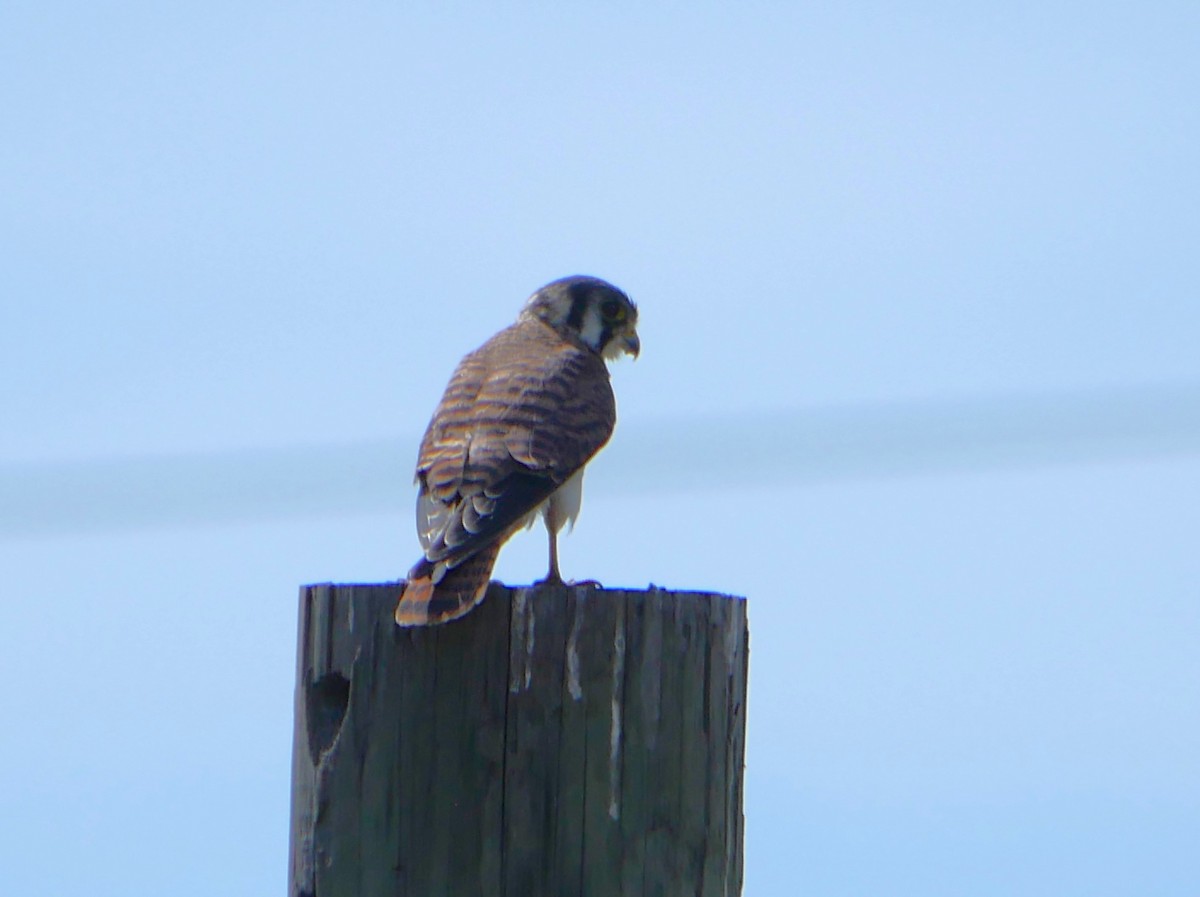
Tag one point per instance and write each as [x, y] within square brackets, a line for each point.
[590, 310]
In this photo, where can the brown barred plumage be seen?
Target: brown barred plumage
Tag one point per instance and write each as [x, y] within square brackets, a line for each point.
[519, 419]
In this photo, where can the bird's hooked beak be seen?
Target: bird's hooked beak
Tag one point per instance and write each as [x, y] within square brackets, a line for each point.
[630, 343]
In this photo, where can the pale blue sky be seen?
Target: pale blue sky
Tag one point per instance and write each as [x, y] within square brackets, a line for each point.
[254, 226]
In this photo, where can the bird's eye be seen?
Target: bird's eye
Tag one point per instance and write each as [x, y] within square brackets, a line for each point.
[612, 310]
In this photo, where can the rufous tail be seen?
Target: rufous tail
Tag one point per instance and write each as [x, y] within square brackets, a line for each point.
[424, 604]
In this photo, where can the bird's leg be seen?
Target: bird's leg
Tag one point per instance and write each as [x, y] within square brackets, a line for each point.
[553, 577]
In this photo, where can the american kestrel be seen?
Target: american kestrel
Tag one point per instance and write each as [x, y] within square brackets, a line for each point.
[520, 418]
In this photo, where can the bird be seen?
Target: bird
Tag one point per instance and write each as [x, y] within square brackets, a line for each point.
[520, 418]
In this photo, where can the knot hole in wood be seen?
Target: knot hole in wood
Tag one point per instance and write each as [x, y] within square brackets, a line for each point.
[326, 700]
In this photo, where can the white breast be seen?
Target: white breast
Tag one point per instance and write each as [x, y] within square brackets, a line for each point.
[563, 506]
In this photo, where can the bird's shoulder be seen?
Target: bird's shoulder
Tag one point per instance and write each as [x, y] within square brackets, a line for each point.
[527, 396]
[528, 361]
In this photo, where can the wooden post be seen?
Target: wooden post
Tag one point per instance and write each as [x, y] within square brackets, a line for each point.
[558, 740]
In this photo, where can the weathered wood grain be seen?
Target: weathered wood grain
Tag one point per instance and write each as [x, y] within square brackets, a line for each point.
[559, 740]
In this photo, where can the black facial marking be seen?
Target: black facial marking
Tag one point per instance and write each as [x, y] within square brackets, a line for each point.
[605, 335]
[579, 297]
